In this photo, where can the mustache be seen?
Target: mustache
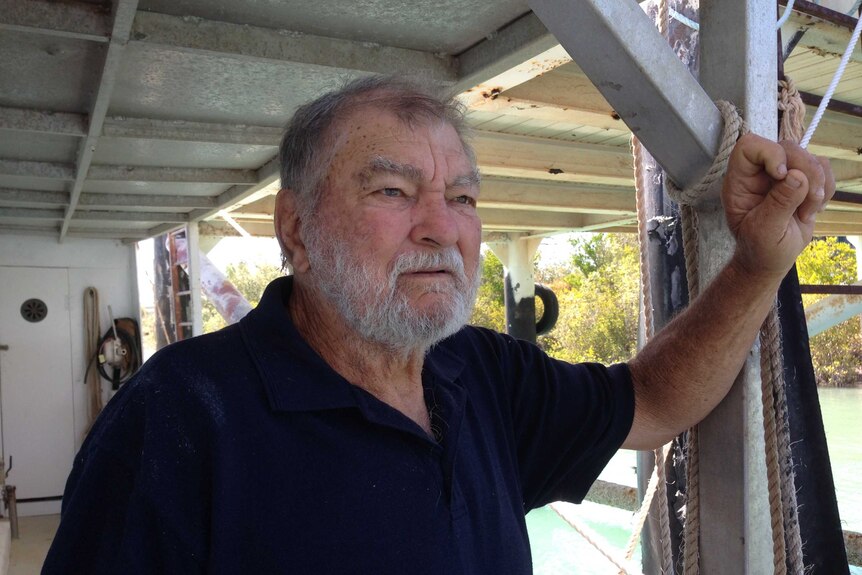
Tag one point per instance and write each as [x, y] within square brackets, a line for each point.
[448, 260]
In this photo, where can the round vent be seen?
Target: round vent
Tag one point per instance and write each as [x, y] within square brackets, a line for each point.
[34, 310]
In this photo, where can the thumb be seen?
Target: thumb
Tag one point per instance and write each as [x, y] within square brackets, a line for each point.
[785, 196]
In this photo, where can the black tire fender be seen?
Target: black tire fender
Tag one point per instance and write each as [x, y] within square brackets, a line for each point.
[551, 309]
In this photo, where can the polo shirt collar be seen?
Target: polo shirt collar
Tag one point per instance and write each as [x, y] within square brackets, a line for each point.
[295, 377]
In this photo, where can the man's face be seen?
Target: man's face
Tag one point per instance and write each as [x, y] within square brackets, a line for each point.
[395, 241]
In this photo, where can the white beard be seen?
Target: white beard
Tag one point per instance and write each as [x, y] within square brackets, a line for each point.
[378, 308]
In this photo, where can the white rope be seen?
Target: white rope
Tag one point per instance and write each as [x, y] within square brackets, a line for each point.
[854, 38]
[683, 19]
[786, 16]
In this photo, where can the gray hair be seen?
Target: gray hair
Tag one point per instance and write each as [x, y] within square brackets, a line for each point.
[307, 145]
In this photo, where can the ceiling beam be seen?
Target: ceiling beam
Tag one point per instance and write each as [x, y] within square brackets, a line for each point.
[79, 20]
[58, 214]
[508, 48]
[11, 197]
[642, 79]
[31, 214]
[568, 96]
[137, 201]
[42, 170]
[15, 198]
[543, 110]
[203, 132]
[520, 220]
[516, 156]
[266, 177]
[118, 216]
[535, 195]
[176, 175]
[21, 120]
[826, 31]
[525, 71]
[847, 173]
[265, 44]
[124, 14]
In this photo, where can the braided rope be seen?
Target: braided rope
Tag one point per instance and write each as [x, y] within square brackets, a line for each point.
[734, 127]
[643, 239]
[691, 535]
[663, 517]
[770, 365]
[793, 111]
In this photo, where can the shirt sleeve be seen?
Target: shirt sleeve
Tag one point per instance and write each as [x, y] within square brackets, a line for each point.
[568, 420]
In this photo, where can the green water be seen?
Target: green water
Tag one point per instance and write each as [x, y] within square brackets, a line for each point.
[559, 550]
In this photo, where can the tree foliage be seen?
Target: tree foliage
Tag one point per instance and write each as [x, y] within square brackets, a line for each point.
[490, 310]
[836, 352]
[597, 289]
[598, 294]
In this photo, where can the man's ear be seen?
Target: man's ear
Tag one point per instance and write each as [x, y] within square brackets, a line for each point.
[287, 230]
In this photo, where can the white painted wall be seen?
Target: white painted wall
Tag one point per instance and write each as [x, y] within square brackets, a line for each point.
[107, 265]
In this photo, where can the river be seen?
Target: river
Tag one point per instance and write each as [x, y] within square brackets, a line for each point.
[559, 550]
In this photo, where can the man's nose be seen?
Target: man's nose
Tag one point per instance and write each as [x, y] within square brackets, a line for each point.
[434, 222]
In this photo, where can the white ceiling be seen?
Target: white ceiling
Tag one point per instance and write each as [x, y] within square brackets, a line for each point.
[128, 119]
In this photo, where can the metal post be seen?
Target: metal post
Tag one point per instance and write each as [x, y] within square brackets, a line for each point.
[516, 254]
[194, 271]
[738, 63]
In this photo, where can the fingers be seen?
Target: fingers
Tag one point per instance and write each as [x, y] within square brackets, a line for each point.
[787, 197]
[820, 180]
[754, 154]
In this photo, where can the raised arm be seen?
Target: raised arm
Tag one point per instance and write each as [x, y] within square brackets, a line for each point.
[771, 195]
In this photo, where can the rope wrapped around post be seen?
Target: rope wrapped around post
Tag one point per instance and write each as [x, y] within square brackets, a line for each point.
[734, 128]
[787, 545]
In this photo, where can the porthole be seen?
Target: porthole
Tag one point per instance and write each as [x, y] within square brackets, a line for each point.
[34, 310]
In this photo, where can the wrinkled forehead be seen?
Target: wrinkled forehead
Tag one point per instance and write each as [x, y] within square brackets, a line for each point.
[371, 139]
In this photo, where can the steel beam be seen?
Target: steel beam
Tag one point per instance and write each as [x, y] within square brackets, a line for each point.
[124, 14]
[635, 69]
[254, 43]
[736, 536]
[77, 20]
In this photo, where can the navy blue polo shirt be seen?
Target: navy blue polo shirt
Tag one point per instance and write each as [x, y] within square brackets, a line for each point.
[242, 451]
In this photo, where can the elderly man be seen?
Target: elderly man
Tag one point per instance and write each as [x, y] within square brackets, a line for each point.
[351, 423]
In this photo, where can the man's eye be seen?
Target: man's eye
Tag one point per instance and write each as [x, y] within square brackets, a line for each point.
[392, 192]
[466, 200]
